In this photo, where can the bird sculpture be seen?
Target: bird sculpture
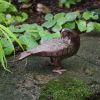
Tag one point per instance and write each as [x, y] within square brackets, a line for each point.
[57, 49]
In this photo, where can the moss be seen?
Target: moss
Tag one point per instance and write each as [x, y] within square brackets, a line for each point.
[65, 89]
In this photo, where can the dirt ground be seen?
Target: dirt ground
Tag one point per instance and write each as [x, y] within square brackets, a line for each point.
[29, 75]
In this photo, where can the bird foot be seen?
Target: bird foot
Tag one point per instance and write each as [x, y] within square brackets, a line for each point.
[59, 71]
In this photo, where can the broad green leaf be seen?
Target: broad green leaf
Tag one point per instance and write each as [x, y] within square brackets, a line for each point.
[81, 25]
[56, 28]
[24, 28]
[72, 16]
[7, 47]
[97, 26]
[46, 38]
[61, 21]
[28, 41]
[87, 15]
[56, 35]
[49, 24]
[58, 16]
[35, 35]
[16, 29]
[90, 27]
[70, 25]
[49, 17]
[95, 17]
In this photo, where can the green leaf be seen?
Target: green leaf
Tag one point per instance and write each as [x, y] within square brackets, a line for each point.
[45, 36]
[56, 28]
[23, 28]
[72, 16]
[8, 33]
[49, 24]
[56, 35]
[2, 18]
[70, 25]
[61, 21]
[90, 27]
[81, 25]
[13, 28]
[24, 16]
[3, 7]
[12, 8]
[58, 16]
[28, 41]
[7, 47]
[97, 26]
[49, 17]
[35, 35]
[87, 15]
[95, 17]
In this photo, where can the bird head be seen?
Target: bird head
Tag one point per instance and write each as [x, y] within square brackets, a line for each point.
[70, 35]
[65, 32]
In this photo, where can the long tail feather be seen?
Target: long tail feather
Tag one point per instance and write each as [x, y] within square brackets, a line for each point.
[24, 55]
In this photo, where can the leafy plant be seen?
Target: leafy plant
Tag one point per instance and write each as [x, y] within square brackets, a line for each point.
[6, 44]
[32, 34]
[71, 20]
[65, 89]
[8, 13]
[68, 3]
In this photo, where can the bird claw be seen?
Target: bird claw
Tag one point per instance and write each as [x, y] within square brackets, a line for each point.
[59, 71]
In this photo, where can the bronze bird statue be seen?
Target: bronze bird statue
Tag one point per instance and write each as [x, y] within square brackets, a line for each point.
[57, 49]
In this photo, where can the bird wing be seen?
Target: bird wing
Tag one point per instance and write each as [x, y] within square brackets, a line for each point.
[54, 45]
[50, 46]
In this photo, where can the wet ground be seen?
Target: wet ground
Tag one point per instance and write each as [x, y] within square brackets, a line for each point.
[29, 75]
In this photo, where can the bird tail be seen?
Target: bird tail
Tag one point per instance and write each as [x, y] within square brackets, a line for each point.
[29, 52]
[24, 55]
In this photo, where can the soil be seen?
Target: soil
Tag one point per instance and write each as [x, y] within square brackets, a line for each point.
[54, 7]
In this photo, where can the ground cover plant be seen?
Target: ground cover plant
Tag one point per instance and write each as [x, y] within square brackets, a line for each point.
[65, 89]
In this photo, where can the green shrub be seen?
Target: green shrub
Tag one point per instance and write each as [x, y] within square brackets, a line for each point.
[32, 34]
[6, 44]
[65, 89]
[72, 20]
[9, 14]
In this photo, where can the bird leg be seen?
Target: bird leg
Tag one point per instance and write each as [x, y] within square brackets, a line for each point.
[55, 61]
